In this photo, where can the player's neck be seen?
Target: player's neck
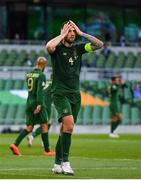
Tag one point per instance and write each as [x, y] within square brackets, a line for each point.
[39, 67]
[67, 44]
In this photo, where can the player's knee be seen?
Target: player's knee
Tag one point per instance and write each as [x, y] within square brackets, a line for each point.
[29, 128]
[69, 128]
[44, 128]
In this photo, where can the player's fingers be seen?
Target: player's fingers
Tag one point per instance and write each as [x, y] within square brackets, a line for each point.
[71, 22]
[67, 26]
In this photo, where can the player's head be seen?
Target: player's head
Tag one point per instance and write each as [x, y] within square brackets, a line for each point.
[71, 36]
[41, 63]
[115, 79]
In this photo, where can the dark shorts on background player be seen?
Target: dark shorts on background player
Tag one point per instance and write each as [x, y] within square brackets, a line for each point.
[32, 119]
[115, 109]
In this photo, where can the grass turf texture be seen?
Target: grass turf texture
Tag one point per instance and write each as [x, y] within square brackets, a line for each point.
[92, 156]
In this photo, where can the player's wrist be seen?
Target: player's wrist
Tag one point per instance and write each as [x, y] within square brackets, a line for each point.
[81, 33]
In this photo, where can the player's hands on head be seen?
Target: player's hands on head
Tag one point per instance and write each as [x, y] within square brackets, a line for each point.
[78, 31]
[66, 29]
[38, 109]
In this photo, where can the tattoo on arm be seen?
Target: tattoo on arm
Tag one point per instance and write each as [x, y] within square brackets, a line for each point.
[96, 43]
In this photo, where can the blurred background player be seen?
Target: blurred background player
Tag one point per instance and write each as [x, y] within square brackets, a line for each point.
[115, 105]
[35, 107]
[48, 103]
[66, 64]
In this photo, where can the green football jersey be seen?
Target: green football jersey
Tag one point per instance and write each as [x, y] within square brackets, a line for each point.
[66, 64]
[36, 81]
[47, 93]
[114, 93]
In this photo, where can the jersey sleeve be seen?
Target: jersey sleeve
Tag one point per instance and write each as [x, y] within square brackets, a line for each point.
[81, 48]
[40, 89]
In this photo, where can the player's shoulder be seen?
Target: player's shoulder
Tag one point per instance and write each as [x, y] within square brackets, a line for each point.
[79, 44]
[32, 74]
[114, 86]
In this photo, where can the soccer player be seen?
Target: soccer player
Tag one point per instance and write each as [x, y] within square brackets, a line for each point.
[48, 103]
[35, 107]
[115, 104]
[66, 64]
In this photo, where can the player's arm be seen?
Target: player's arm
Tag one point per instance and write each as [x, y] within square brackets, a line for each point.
[51, 45]
[95, 43]
[40, 93]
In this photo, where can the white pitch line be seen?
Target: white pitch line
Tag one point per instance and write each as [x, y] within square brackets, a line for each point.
[87, 158]
[83, 168]
[101, 159]
[43, 175]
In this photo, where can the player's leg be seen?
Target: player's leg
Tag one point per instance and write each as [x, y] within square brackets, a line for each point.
[34, 134]
[119, 114]
[37, 132]
[60, 105]
[64, 141]
[44, 135]
[44, 132]
[49, 123]
[68, 124]
[58, 157]
[45, 140]
[69, 129]
[114, 118]
[119, 119]
[113, 126]
[25, 132]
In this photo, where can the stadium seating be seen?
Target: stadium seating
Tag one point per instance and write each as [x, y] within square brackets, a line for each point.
[126, 114]
[106, 116]
[15, 113]
[22, 58]
[135, 116]
[97, 115]
[20, 115]
[87, 112]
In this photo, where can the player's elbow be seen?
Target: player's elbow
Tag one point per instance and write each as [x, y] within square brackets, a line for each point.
[101, 44]
[49, 48]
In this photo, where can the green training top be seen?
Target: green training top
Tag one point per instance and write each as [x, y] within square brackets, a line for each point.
[35, 83]
[66, 64]
[47, 93]
[114, 93]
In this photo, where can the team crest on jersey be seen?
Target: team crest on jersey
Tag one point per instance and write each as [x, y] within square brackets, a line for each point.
[75, 57]
[64, 53]
[65, 110]
[43, 84]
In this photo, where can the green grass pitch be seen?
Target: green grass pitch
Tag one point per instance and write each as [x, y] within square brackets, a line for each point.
[91, 156]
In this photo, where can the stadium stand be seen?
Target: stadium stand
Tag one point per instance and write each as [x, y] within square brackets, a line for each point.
[89, 114]
[15, 61]
[120, 60]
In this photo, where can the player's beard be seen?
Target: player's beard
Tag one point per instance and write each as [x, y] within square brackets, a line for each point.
[69, 41]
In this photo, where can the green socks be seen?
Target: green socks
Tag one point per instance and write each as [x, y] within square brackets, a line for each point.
[114, 125]
[45, 141]
[49, 126]
[66, 142]
[62, 148]
[37, 132]
[58, 149]
[21, 137]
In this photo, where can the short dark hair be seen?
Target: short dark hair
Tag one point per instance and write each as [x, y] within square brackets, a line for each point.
[65, 22]
[115, 76]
